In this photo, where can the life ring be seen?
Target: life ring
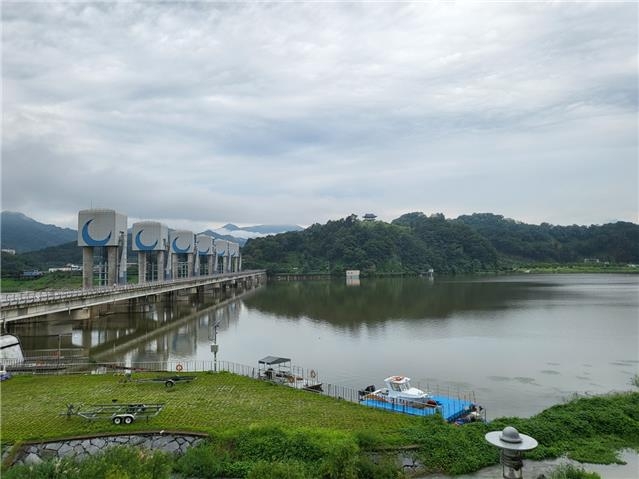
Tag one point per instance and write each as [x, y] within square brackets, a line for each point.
[179, 368]
[313, 373]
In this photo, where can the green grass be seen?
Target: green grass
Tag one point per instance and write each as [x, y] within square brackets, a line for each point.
[57, 280]
[254, 423]
[580, 268]
[31, 406]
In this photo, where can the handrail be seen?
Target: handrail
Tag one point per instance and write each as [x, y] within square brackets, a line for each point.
[31, 297]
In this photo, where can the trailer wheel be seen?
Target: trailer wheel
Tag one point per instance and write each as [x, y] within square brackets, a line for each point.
[169, 383]
[117, 420]
[128, 419]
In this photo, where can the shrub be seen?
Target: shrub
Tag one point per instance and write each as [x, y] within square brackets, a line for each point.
[115, 462]
[568, 471]
[203, 461]
[277, 470]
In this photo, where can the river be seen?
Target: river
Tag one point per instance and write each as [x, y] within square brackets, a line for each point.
[520, 343]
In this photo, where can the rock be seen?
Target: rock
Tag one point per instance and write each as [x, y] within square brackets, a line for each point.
[97, 442]
[32, 459]
[64, 450]
[171, 447]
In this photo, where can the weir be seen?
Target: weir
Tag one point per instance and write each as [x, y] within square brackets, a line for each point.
[78, 303]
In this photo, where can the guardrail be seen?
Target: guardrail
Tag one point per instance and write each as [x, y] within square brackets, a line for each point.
[33, 297]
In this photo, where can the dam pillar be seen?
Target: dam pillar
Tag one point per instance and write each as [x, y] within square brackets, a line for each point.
[112, 266]
[141, 267]
[87, 267]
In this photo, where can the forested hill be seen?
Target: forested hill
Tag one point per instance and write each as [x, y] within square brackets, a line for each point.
[414, 243]
[613, 242]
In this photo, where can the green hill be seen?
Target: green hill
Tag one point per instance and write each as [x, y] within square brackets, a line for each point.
[613, 242]
[21, 233]
[52, 257]
[414, 243]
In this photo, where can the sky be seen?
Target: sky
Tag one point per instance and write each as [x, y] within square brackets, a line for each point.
[200, 114]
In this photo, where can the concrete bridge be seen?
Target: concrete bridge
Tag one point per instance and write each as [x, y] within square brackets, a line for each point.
[78, 303]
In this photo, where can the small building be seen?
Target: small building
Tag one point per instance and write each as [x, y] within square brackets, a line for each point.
[33, 274]
[369, 217]
[69, 267]
[352, 274]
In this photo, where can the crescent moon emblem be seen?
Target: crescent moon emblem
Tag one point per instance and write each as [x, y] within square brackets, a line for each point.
[86, 237]
[177, 249]
[141, 246]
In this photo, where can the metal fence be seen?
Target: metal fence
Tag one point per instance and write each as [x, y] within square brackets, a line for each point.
[74, 365]
[47, 365]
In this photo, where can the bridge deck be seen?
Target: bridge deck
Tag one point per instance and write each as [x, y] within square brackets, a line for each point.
[16, 306]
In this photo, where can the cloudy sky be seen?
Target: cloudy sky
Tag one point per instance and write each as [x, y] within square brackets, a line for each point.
[198, 114]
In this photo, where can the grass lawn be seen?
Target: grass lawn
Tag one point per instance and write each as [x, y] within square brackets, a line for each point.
[33, 406]
[244, 416]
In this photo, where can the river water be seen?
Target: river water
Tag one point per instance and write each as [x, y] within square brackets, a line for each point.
[520, 343]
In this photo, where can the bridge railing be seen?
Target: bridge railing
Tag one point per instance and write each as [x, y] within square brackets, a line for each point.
[30, 297]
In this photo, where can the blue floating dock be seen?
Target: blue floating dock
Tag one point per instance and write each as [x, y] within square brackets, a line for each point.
[451, 408]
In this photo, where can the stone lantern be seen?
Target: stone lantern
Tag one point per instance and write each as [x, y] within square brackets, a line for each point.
[511, 446]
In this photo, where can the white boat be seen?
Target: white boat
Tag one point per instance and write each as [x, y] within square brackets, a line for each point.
[279, 370]
[399, 391]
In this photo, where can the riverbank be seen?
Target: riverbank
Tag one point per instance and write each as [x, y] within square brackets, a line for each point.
[251, 421]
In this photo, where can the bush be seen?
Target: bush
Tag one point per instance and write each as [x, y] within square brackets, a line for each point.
[277, 470]
[205, 461]
[568, 471]
[115, 462]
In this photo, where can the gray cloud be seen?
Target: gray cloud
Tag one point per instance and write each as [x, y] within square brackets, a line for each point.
[203, 113]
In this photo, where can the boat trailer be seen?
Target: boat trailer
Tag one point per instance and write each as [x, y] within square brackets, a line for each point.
[116, 413]
[169, 382]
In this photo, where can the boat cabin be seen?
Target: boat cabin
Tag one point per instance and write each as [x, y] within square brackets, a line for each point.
[397, 383]
[274, 367]
[399, 387]
[10, 350]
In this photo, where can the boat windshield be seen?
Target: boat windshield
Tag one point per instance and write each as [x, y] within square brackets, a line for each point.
[400, 386]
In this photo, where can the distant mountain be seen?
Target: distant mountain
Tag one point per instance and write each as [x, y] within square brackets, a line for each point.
[257, 231]
[273, 229]
[23, 234]
[226, 237]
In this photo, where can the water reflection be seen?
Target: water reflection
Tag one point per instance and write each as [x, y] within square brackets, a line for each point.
[381, 300]
[152, 332]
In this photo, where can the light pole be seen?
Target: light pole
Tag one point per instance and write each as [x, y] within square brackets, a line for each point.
[511, 444]
[214, 346]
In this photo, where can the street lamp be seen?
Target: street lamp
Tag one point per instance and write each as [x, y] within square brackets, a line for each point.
[214, 346]
[512, 445]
